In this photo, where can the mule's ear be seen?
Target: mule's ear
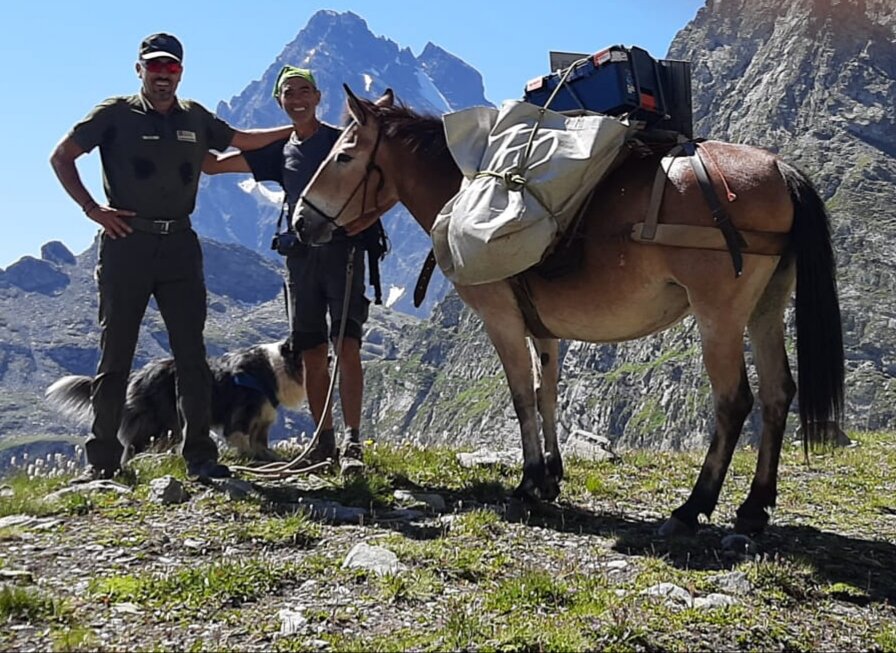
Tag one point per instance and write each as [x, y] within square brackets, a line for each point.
[387, 100]
[355, 108]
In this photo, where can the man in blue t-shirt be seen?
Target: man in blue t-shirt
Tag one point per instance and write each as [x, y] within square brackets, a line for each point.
[316, 275]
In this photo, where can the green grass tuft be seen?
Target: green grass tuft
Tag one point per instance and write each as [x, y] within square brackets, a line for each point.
[372, 490]
[146, 467]
[27, 604]
[532, 591]
[410, 587]
[74, 638]
[783, 579]
[28, 494]
[213, 586]
[885, 638]
[295, 530]
[479, 523]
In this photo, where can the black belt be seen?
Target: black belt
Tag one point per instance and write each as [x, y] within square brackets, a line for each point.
[161, 227]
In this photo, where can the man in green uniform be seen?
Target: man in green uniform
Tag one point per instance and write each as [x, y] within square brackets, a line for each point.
[152, 145]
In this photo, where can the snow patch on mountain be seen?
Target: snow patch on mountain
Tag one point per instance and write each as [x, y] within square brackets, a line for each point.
[261, 193]
[395, 293]
[432, 94]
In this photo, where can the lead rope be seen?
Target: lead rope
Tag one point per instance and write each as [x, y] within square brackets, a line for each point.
[288, 469]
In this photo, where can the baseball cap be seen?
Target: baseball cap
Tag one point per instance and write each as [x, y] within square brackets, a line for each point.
[161, 45]
[291, 71]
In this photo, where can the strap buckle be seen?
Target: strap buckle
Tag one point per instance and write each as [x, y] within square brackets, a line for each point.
[164, 226]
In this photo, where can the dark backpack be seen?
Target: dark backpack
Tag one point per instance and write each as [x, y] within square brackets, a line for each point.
[376, 243]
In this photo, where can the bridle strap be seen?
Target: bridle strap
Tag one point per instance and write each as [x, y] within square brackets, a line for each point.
[365, 180]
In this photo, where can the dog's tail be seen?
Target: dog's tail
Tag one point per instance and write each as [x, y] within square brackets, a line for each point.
[71, 396]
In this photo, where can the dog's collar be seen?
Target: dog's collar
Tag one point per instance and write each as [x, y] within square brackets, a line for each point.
[246, 380]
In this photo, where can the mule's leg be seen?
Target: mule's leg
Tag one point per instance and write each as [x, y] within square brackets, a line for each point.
[776, 391]
[724, 360]
[504, 325]
[548, 352]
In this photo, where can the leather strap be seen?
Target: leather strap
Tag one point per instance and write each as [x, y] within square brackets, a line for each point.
[733, 239]
[523, 295]
[423, 280]
[682, 235]
[656, 192]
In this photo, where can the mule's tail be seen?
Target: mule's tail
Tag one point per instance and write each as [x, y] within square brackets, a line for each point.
[71, 396]
[819, 342]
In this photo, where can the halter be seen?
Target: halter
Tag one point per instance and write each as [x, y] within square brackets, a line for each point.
[371, 166]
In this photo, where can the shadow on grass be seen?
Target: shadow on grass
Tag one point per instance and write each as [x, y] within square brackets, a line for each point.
[867, 564]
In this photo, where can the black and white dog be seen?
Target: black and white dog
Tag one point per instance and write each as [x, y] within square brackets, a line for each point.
[248, 386]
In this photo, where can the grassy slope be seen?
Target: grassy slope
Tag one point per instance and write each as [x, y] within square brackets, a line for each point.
[213, 573]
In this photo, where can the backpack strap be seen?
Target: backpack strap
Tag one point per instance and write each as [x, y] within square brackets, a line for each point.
[282, 217]
[373, 270]
[377, 245]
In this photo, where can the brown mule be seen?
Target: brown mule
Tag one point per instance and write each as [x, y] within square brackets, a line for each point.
[625, 289]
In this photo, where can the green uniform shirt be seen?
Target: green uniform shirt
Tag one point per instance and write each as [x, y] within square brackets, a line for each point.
[152, 161]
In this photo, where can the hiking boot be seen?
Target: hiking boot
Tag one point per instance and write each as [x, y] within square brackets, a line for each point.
[324, 449]
[351, 459]
[205, 469]
[94, 473]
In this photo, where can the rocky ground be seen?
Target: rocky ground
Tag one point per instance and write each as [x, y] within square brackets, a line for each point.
[426, 551]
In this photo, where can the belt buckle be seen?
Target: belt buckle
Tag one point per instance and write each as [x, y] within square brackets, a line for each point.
[164, 226]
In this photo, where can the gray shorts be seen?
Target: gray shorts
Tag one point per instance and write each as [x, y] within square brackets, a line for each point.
[317, 288]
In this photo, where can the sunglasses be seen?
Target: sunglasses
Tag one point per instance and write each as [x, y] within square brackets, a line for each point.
[170, 67]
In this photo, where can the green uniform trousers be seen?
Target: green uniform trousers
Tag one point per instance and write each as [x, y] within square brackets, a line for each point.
[129, 271]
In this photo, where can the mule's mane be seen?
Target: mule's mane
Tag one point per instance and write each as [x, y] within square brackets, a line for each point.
[417, 132]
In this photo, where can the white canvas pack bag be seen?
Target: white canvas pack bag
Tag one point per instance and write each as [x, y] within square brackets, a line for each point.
[526, 173]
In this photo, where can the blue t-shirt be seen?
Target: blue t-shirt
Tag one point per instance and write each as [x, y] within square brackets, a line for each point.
[292, 163]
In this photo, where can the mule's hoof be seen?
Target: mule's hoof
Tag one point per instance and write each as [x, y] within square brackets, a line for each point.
[739, 545]
[550, 490]
[547, 489]
[750, 525]
[674, 527]
[554, 465]
[527, 491]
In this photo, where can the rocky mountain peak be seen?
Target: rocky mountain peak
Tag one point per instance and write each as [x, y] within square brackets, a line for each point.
[461, 84]
[56, 252]
[806, 77]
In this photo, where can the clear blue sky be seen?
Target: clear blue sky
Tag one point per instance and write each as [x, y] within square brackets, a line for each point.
[62, 57]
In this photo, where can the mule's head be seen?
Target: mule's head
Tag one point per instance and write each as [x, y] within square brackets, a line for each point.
[351, 181]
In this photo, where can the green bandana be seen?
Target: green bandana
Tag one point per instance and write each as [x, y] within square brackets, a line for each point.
[291, 71]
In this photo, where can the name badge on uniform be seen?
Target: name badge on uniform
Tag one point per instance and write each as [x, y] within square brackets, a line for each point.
[186, 136]
[150, 137]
